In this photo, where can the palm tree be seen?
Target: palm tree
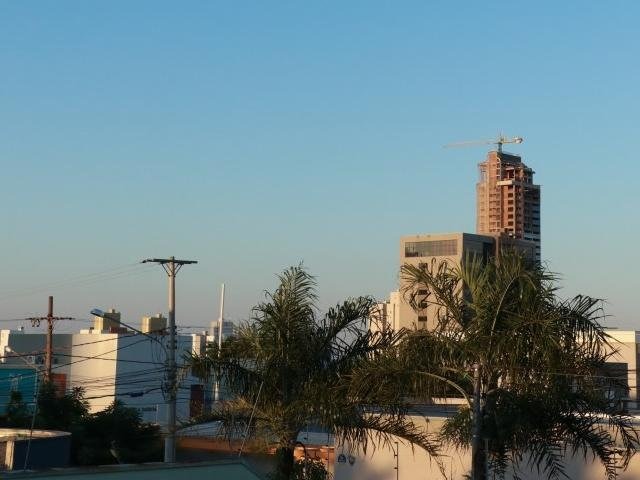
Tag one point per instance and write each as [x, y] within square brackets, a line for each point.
[525, 362]
[290, 366]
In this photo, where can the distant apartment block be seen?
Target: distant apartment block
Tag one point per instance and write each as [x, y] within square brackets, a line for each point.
[433, 250]
[508, 202]
[229, 329]
[385, 316]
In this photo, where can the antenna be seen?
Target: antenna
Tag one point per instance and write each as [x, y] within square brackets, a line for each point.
[216, 387]
[221, 318]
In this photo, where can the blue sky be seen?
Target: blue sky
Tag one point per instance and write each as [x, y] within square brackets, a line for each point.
[254, 135]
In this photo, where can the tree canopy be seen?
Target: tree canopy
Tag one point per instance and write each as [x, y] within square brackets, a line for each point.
[289, 366]
[537, 358]
[114, 435]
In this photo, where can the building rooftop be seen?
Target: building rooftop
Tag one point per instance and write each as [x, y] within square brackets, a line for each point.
[24, 433]
[229, 470]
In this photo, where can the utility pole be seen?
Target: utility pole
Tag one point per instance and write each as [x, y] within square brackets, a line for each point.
[172, 267]
[48, 350]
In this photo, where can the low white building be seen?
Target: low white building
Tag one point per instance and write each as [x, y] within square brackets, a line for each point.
[112, 362]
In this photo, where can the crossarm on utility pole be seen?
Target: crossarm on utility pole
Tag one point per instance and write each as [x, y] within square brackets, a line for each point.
[48, 349]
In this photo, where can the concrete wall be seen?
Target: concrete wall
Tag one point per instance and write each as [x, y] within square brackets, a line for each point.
[413, 463]
[48, 449]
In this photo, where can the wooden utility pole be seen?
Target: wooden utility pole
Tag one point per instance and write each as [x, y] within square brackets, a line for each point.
[48, 350]
[171, 266]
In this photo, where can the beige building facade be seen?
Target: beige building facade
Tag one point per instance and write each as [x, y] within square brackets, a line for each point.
[433, 250]
[621, 373]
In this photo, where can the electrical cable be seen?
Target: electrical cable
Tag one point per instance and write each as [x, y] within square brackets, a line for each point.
[81, 280]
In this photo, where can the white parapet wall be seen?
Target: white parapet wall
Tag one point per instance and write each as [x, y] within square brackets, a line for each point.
[399, 460]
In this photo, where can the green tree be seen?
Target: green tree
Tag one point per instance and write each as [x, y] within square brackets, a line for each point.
[118, 435]
[17, 415]
[289, 366]
[525, 361]
[310, 469]
[60, 411]
[113, 435]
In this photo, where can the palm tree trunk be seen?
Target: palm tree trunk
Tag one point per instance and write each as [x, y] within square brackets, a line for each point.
[479, 464]
[284, 462]
[478, 454]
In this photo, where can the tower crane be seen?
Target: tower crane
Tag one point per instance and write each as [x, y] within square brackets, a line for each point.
[501, 140]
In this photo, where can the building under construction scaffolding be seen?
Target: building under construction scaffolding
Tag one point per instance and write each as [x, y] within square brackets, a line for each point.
[508, 202]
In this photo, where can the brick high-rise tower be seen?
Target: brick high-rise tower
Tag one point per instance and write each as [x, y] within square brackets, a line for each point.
[508, 202]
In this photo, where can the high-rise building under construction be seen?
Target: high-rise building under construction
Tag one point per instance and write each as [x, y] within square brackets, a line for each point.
[508, 202]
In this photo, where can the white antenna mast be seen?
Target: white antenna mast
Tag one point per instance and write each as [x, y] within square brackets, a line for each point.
[221, 319]
[216, 392]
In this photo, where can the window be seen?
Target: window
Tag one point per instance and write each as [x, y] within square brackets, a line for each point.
[434, 248]
[422, 322]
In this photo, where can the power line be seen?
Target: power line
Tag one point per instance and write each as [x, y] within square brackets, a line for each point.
[65, 347]
[111, 359]
[118, 337]
[81, 280]
[142, 378]
[93, 357]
